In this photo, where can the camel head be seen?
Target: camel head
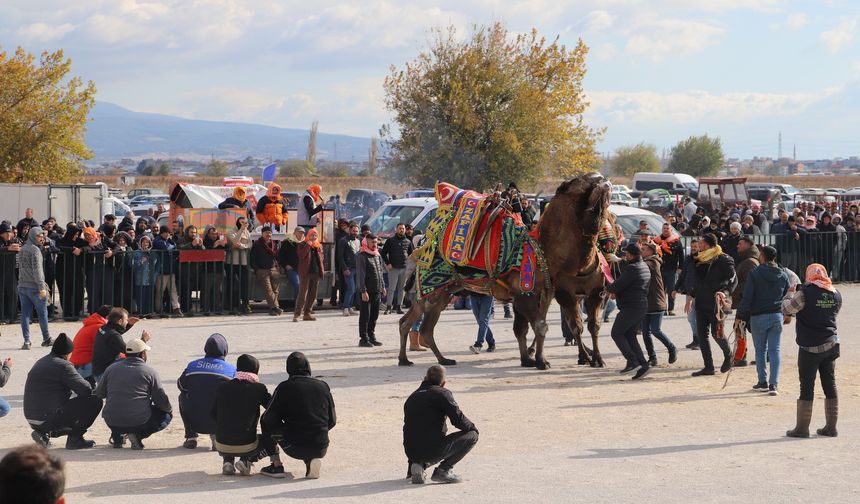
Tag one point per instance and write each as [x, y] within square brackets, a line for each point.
[580, 204]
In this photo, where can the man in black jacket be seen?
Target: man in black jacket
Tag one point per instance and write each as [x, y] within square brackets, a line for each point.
[47, 404]
[300, 415]
[108, 343]
[631, 294]
[715, 274]
[371, 285]
[395, 252]
[347, 249]
[425, 433]
[263, 255]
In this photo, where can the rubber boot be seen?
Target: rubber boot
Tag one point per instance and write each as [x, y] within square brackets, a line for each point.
[804, 417]
[414, 345]
[831, 412]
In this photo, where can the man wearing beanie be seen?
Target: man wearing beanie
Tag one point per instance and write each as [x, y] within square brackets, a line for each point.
[47, 404]
[630, 291]
[197, 386]
[761, 304]
[236, 410]
[32, 289]
[135, 402]
[300, 415]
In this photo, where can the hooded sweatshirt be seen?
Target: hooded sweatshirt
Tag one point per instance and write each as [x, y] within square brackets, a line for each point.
[31, 273]
[765, 288]
[83, 352]
[200, 380]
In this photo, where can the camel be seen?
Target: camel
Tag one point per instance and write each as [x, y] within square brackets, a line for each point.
[567, 235]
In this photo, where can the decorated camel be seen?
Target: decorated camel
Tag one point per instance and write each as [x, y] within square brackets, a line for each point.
[474, 243]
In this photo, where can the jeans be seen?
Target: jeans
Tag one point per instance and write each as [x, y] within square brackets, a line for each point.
[30, 299]
[348, 300]
[651, 324]
[86, 371]
[293, 278]
[482, 308]
[158, 421]
[691, 318]
[396, 281]
[417, 325]
[669, 277]
[624, 335]
[4, 407]
[454, 447]
[766, 332]
[608, 307]
[810, 364]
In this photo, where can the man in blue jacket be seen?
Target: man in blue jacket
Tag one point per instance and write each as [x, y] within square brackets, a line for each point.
[197, 387]
[165, 278]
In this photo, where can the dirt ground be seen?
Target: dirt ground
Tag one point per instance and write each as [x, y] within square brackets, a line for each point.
[571, 433]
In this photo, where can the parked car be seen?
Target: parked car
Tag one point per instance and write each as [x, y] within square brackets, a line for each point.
[620, 188]
[675, 183]
[140, 205]
[622, 198]
[420, 193]
[787, 189]
[361, 203]
[141, 191]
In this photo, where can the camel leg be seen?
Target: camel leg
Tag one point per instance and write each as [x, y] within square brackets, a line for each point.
[521, 331]
[432, 311]
[540, 328]
[571, 313]
[405, 325]
[593, 305]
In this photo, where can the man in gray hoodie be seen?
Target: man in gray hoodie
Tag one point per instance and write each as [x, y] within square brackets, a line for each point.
[32, 289]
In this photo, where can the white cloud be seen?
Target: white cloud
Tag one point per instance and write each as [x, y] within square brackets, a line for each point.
[658, 39]
[840, 36]
[598, 21]
[41, 32]
[649, 108]
[792, 22]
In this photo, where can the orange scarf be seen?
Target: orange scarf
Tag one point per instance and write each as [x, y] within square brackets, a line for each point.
[315, 234]
[666, 243]
[816, 274]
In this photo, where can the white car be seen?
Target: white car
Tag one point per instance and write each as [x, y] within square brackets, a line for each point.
[620, 188]
[622, 198]
[140, 205]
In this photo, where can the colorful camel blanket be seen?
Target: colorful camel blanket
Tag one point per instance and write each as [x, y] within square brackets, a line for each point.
[473, 244]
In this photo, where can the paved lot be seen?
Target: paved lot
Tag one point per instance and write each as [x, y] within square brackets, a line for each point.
[572, 433]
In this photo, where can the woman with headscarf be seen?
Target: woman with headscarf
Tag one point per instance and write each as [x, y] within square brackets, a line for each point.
[239, 199]
[122, 270]
[99, 274]
[272, 208]
[311, 269]
[213, 272]
[237, 261]
[310, 205]
[816, 305]
[70, 272]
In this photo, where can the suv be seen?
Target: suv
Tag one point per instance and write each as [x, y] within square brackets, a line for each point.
[141, 191]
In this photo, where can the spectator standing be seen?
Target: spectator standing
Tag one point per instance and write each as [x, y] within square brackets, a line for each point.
[672, 255]
[28, 219]
[263, 254]
[70, 272]
[190, 273]
[765, 287]
[715, 275]
[197, 386]
[339, 289]
[395, 252]
[301, 414]
[123, 287]
[311, 269]
[348, 247]
[82, 355]
[48, 406]
[213, 281]
[165, 271]
[816, 305]
[31, 475]
[425, 432]
[143, 266]
[653, 321]
[370, 283]
[239, 199]
[309, 206]
[238, 259]
[482, 308]
[135, 402]
[9, 248]
[99, 277]
[630, 290]
[32, 289]
[5, 373]
[729, 243]
[748, 260]
[288, 258]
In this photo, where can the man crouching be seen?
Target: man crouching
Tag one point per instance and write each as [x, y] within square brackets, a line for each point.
[424, 430]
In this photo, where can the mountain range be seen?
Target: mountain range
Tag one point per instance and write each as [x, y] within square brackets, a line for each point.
[115, 132]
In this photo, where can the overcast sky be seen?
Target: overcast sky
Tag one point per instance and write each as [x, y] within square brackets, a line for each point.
[659, 70]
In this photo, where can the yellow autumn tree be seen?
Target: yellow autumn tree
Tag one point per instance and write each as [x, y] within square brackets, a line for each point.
[496, 107]
[43, 116]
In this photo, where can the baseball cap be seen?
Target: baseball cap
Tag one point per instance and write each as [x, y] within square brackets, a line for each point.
[136, 346]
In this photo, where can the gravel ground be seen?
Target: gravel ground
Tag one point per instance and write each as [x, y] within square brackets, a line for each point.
[569, 433]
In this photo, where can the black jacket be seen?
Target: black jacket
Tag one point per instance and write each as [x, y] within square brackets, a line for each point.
[49, 385]
[302, 411]
[107, 346]
[288, 254]
[347, 250]
[729, 245]
[674, 258]
[369, 272]
[715, 276]
[424, 426]
[686, 283]
[232, 202]
[236, 411]
[262, 256]
[396, 251]
[631, 287]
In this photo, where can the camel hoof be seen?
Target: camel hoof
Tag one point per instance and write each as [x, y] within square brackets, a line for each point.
[543, 365]
[528, 362]
[447, 362]
[582, 362]
[597, 361]
[404, 362]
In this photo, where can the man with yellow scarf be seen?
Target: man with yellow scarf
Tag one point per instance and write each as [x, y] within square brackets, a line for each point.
[715, 276]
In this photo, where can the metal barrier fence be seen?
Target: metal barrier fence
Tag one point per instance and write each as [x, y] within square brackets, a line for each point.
[146, 283]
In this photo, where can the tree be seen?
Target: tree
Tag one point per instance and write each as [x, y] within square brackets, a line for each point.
[217, 168]
[494, 108]
[697, 156]
[632, 159]
[43, 117]
[163, 169]
[294, 168]
[334, 169]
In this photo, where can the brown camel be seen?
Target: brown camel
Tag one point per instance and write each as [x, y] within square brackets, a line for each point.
[568, 232]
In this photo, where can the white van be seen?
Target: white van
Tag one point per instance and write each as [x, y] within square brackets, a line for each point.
[675, 183]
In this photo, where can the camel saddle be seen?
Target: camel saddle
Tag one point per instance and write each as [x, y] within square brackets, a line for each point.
[474, 241]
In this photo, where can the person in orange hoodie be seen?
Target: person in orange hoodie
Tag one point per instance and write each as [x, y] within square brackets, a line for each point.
[82, 354]
[311, 269]
[272, 208]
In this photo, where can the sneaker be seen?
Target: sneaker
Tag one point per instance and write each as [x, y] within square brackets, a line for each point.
[692, 346]
[673, 355]
[476, 349]
[273, 472]
[399, 311]
[760, 386]
[364, 343]
[295, 318]
[353, 312]
[491, 347]
[374, 342]
[417, 472]
[727, 364]
[442, 476]
[177, 313]
[642, 373]
[652, 361]
[42, 439]
[190, 443]
[228, 469]
[346, 312]
[630, 367]
[48, 342]
[741, 363]
[772, 390]
[117, 443]
[704, 372]
[135, 442]
[671, 314]
[26, 345]
[243, 466]
[78, 443]
[314, 467]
